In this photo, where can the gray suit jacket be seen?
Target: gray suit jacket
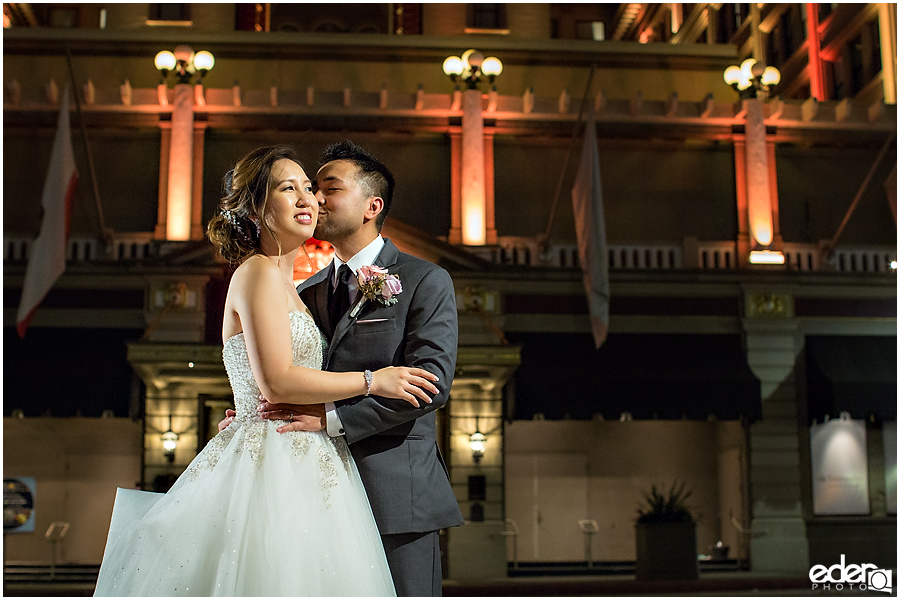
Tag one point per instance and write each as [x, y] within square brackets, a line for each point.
[392, 442]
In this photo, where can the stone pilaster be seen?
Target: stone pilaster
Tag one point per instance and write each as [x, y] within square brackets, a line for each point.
[778, 540]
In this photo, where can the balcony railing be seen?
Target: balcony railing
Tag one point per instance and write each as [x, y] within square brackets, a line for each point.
[125, 247]
[526, 252]
[709, 256]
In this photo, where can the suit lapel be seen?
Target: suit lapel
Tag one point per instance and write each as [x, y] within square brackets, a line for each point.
[386, 258]
[315, 296]
[388, 255]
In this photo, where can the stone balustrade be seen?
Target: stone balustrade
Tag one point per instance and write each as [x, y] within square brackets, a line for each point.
[526, 252]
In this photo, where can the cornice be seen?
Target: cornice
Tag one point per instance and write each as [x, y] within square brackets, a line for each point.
[368, 47]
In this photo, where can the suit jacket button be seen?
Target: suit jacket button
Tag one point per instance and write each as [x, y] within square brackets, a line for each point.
[341, 432]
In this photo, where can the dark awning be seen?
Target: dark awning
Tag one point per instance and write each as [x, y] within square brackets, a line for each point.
[647, 375]
[856, 374]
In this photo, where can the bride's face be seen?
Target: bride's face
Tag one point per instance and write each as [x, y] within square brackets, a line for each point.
[291, 210]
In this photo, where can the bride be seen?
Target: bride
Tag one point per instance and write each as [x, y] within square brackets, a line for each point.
[257, 513]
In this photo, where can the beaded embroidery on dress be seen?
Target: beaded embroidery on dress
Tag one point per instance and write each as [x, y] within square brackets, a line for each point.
[256, 513]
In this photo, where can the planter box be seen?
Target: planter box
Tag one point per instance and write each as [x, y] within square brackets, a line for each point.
[666, 551]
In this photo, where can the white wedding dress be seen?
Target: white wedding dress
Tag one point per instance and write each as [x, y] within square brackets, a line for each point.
[256, 513]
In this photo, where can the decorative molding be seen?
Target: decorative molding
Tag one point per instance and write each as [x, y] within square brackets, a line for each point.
[768, 305]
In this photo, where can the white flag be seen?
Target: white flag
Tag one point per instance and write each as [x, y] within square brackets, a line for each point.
[47, 259]
[590, 227]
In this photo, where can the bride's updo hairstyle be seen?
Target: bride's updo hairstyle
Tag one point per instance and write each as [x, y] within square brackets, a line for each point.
[235, 230]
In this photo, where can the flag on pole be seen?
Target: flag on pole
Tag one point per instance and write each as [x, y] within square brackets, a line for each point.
[47, 259]
[590, 228]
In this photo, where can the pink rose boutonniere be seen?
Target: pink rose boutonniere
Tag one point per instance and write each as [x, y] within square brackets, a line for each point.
[378, 285]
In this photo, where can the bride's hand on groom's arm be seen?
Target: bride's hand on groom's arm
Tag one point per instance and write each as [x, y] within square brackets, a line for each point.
[410, 384]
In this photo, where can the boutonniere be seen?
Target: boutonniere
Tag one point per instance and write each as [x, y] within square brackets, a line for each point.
[376, 284]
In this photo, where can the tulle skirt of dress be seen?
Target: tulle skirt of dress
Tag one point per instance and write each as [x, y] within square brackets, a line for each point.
[257, 513]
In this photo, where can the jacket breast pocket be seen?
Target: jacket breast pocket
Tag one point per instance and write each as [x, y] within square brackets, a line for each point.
[365, 326]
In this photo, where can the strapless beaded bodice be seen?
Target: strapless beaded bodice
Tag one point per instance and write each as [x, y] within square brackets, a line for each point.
[308, 345]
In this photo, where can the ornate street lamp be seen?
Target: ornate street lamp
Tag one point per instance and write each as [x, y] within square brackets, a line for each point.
[185, 63]
[472, 67]
[752, 79]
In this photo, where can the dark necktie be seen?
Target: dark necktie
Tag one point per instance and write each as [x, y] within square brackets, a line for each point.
[340, 297]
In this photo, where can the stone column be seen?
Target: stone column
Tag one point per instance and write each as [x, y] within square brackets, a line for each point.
[165, 143]
[489, 213]
[178, 214]
[473, 195]
[778, 541]
[759, 206]
[455, 236]
[198, 227]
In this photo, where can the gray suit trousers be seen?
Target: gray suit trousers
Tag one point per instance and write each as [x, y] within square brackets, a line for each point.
[415, 562]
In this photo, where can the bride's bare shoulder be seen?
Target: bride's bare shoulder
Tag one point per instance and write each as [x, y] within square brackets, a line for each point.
[256, 267]
[254, 276]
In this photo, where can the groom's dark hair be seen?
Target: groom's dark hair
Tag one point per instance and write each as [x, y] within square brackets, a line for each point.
[374, 177]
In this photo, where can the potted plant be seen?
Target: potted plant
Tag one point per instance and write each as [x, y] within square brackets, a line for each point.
[666, 535]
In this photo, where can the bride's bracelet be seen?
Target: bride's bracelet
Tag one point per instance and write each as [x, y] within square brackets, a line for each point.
[367, 374]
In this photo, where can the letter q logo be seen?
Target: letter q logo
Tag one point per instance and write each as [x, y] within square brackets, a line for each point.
[880, 580]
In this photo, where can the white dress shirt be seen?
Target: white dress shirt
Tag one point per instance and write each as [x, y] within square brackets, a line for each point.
[364, 257]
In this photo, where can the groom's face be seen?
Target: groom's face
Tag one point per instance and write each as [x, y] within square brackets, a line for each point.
[342, 201]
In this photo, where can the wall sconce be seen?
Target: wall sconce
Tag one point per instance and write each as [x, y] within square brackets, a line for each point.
[170, 442]
[185, 63]
[476, 442]
[752, 79]
[471, 67]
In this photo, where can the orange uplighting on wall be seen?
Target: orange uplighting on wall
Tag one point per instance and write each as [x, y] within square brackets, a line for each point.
[473, 222]
[316, 257]
[760, 220]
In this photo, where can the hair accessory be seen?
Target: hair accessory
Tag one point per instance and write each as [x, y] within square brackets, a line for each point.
[232, 218]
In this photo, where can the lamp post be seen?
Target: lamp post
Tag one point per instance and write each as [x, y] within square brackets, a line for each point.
[185, 63]
[472, 68]
[753, 81]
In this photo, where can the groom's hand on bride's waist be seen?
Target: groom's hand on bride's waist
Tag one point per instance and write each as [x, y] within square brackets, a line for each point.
[306, 417]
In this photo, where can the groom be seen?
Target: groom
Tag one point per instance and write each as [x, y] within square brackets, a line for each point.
[392, 442]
